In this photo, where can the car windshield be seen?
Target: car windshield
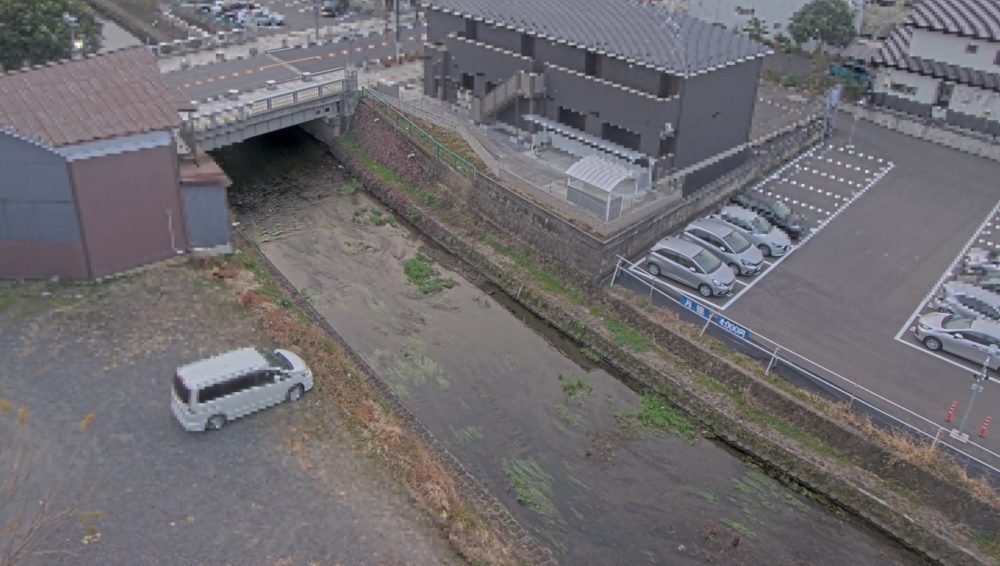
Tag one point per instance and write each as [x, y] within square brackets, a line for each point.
[737, 242]
[760, 226]
[276, 360]
[953, 322]
[707, 261]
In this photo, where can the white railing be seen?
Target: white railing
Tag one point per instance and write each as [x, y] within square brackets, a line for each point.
[255, 108]
[859, 398]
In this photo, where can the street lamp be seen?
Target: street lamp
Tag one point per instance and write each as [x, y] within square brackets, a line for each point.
[71, 21]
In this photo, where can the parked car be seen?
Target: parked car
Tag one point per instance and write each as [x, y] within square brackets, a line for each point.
[969, 300]
[769, 239]
[775, 211]
[980, 261]
[975, 340]
[726, 242]
[691, 265]
[852, 71]
[209, 393]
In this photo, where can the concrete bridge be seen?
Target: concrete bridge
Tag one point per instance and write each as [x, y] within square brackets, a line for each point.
[235, 117]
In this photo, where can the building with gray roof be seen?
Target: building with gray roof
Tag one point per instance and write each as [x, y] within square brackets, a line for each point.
[640, 85]
[944, 62]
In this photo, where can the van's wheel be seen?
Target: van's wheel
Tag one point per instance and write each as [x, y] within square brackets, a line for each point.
[654, 269]
[705, 290]
[766, 251]
[216, 422]
[295, 393]
[932, 343]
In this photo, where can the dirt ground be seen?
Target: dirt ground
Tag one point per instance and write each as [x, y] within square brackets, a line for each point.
[265, 490]
[545, 430]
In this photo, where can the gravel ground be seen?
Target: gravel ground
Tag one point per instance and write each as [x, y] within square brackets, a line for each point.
[143, 491]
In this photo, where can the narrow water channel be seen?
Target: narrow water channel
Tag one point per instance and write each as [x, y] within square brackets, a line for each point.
[552, 435]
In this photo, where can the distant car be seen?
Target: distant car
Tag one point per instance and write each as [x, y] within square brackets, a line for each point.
[691, 265]
[774, 211]
[980, 261]
[209, 393]
[969, 300]
[769, 239]
[975, 340]
[726, 242]
[852, 71]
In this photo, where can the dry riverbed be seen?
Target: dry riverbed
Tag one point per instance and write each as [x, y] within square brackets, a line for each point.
[595, 471]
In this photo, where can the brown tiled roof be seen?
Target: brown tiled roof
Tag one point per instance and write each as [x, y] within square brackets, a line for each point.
[105, 96]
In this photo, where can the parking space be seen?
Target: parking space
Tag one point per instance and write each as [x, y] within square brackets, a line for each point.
[985, 241]
[818, 185]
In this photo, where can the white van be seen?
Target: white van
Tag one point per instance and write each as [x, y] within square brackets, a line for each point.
[209, 393]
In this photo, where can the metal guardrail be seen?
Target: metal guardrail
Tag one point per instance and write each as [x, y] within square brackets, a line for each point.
[774, 357]
[419, 135]
[256, 108]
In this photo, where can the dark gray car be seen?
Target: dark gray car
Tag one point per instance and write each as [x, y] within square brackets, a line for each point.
[726, 242]
[691, 265]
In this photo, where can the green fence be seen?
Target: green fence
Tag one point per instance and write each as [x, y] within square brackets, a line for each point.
[420, 135]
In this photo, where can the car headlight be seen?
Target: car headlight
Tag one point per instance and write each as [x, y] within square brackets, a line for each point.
[717, 283]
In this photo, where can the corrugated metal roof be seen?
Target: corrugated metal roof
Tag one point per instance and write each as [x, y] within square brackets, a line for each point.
[598, 172]
[636, 31]
[895, 53]
[972, 18]
[105, 96]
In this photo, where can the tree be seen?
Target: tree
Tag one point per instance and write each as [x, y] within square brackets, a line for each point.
[828, 21]
[36, 31]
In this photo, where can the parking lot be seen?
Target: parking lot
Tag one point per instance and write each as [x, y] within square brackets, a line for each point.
[818, 185]
[267, 489]
[880, 244]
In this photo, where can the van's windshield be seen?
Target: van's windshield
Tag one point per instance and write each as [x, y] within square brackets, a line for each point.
[181, 390]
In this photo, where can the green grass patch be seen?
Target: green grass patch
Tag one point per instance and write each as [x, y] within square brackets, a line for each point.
[422, 275]
[576, 387]
[525, 261]
[988, 542]
[532, 485]
[740, 528]
[625, 336]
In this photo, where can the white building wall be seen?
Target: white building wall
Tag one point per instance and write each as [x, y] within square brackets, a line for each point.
[976, 102]
[952, 49]
[924, 89]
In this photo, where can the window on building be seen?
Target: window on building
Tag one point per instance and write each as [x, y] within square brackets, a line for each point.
[903, 89]
[972, 48]
[620, 136]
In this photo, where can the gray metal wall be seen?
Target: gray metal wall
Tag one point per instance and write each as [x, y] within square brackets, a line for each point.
[36, 198]
[716, 111]
[206, 216]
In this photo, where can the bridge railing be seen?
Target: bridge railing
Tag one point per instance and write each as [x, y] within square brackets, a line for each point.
[254, 108]
[420, 135]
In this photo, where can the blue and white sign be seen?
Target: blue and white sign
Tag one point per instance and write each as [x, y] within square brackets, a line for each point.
[741, 332]
[695, 307]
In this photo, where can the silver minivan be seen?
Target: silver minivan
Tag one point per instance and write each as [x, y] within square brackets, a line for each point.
[691, 265]
[724, 241]
[209, 393]
[769, 239]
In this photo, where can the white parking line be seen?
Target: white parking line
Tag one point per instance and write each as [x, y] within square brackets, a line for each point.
[948, 272]
[966, 366]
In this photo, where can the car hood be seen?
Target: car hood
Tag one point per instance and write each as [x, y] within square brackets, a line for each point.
[298, 364]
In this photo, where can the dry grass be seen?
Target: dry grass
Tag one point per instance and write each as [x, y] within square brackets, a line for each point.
[343, 387]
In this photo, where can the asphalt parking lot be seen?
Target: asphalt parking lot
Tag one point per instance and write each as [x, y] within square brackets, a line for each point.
[819, 185]
[264, 490]
[841, 298]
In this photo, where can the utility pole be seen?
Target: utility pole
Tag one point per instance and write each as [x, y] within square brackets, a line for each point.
[396, 3]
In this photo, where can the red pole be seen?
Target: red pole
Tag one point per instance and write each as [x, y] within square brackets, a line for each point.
[986, 425]
[951, 412]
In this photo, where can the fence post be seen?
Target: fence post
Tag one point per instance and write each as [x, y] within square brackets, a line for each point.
[770, 364]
